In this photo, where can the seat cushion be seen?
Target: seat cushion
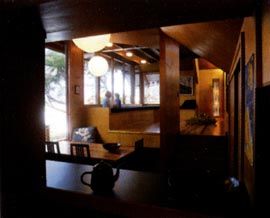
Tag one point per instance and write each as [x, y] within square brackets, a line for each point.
[84, 134]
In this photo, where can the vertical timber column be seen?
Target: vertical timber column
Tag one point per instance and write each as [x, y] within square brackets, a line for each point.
[169, 98]
[75, 67]
[22, 125]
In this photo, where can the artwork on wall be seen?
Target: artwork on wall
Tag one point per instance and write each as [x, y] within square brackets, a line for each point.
[250, 110]
[216, 97]
[186, 85]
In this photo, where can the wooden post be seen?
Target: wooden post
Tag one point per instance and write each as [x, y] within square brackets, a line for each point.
[169, 97]
[75, 69]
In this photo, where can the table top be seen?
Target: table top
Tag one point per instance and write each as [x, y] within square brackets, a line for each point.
[130, 186]
[134, 194]
[97, 151]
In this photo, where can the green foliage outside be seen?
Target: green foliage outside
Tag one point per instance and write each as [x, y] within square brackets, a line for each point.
[55, 85]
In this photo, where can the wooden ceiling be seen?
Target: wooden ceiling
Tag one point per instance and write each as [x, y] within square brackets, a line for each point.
[215, 41]
[211, 39]
[67, 19]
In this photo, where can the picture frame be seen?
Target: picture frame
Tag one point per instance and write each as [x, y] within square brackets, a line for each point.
[186, 85]
[250, 110]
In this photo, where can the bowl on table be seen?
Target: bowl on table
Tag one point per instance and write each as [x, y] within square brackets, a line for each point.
[112, 146]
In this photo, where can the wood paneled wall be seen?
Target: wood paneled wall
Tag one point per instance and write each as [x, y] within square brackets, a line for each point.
[246, 51]
[249, 28]
[100, 117]
[266, 42]
[133, 119]
[76, 115]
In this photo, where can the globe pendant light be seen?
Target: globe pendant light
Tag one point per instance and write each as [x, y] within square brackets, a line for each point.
[92, 44]
[98, 66]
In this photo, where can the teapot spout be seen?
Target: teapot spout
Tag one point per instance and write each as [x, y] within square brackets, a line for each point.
[116, 176]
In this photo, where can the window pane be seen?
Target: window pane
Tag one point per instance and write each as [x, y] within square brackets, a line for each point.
[89, 86]
[127, 88]
[118, 83]
[151, 88]
[55, 95]
[137, 89]
[105, 84]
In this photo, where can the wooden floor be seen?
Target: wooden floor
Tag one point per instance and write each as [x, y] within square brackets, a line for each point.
[210, 130]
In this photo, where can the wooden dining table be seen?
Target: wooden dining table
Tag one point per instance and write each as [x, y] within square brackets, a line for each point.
[97, 153]
[135, 193]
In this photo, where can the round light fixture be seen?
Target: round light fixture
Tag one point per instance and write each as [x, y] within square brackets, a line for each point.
[109, 44]
[98, 66]
[129, 54]
[92, 44]
[143, 61]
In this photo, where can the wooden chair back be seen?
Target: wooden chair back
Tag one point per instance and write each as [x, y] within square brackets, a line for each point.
[80, 150]
[139, 144]
[52, 147]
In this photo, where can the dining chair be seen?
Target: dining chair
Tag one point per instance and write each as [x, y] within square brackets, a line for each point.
[80, 150]
[52, 147]
[139, 144]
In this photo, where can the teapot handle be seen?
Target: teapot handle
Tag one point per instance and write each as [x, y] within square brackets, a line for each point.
[83, 182]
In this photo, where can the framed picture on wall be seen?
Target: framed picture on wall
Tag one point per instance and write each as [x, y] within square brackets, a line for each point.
[77, 89]
[186, 85]
[249, 110]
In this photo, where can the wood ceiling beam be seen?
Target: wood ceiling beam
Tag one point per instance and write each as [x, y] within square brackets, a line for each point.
[152, 52]
[119, 57]
[144, 55]
[123, 49]
[65, 20]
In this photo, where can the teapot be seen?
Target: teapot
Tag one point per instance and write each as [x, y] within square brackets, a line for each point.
[102, 178]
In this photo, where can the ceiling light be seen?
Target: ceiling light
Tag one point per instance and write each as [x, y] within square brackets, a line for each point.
[98, 66]
[143, 61]
[129, 54]
[92, 43]
[109, 44]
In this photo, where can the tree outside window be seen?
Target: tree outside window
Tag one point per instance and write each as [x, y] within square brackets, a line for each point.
[55, 94]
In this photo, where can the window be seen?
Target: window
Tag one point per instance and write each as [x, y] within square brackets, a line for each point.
[127, 84]
[151, 88]
[137, 89]
[118, 83]
[121, 84]
[55, 95]
[105, 84]
[90, 87]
